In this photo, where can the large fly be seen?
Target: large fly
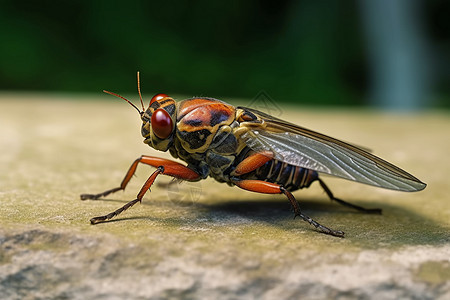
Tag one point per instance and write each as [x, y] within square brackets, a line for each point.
[251, 150]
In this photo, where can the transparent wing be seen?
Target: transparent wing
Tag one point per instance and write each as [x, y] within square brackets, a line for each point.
[305, 148]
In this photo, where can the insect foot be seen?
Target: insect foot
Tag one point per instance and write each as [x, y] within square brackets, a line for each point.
[320, 227]
[104, 218]
[96, 196]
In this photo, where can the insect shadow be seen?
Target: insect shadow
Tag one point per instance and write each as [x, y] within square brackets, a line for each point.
[397, 225]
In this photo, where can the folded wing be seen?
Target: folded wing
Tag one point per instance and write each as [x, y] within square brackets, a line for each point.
[305, 148]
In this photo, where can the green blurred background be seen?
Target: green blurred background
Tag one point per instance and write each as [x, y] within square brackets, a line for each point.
[391, 54]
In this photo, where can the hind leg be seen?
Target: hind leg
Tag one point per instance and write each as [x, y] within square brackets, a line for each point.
[359, 208]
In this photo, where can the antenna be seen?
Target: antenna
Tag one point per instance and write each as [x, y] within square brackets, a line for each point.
[139, 91]
[114, 94]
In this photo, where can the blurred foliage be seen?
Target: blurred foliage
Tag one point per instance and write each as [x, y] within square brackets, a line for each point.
[309, 52]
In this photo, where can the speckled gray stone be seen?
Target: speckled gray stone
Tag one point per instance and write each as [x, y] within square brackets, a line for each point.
[207, 240]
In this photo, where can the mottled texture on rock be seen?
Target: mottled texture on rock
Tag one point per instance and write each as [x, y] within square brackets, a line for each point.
[208, 240]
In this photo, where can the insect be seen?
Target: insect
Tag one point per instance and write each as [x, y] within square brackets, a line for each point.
[252, 150]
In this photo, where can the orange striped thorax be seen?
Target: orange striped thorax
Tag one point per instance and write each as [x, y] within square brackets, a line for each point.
[199, 119]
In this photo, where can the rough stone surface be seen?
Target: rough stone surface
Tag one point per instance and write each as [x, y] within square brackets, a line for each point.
[208, 240]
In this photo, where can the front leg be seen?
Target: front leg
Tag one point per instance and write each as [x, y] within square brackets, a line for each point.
[148, 160]
[164, 166]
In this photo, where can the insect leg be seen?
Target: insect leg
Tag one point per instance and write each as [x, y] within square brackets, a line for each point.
[145, 159]
[141, 193]
[273, 188]
[252, 163]
[331, 196]
[172, 168]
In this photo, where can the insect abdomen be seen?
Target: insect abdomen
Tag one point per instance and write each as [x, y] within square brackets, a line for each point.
[289, 176]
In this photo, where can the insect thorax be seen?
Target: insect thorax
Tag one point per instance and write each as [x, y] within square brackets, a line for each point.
[205, 136]
[217, 158]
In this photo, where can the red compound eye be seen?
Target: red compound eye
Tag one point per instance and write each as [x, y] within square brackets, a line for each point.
[161, 123]
[158, 97]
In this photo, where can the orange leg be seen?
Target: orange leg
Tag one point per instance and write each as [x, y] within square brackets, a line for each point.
[164, 166]
[264, 187]
[171, 168]
[252, 163]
